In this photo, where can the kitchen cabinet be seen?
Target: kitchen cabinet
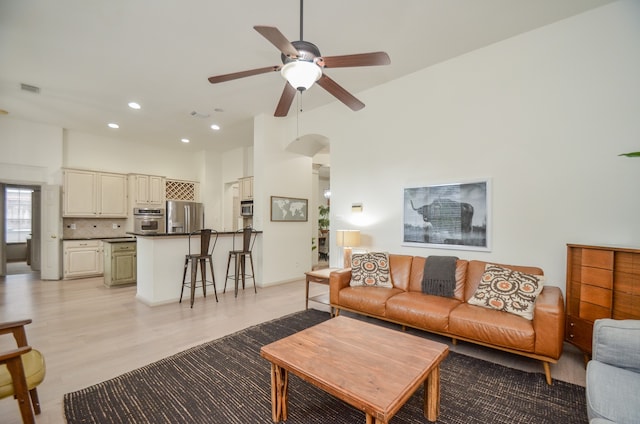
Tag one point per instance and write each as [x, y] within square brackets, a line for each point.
[120, 263]
[602, 282]
[246, 188]
[93, 194]
[82, 258]
[147, 190]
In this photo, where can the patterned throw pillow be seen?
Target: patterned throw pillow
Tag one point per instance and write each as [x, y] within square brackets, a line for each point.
[370, 270]
[507, 290]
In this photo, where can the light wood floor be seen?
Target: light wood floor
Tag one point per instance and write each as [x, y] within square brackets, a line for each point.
[90, 333]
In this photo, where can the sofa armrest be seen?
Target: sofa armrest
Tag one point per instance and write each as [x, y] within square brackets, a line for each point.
[617, 343]
[337, 281]
[548, 322]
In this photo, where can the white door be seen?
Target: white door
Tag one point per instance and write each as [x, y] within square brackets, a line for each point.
[36, 230]
[51, 233]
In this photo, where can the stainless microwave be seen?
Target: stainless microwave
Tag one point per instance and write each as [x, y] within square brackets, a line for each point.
[246, 208]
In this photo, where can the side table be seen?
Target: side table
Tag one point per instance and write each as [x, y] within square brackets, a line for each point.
[319, 276]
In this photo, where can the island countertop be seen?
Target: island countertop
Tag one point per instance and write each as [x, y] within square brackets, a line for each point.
[221, 233]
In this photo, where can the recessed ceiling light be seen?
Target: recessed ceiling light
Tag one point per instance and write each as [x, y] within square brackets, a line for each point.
[113, 125]
[215, 127]
[134, 105]
[184, 140]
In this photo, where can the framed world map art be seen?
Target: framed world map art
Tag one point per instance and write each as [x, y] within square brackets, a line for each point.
[289, 209]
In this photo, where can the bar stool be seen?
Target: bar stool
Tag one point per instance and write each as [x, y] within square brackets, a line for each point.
[206, 254]
[247, 237]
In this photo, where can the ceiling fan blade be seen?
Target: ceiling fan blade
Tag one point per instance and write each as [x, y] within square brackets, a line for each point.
[285, 100]
[235, 75]
[276, 38]
[363, 59]
[340, 93]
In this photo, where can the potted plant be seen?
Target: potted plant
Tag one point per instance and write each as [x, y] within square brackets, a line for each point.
[630, 155]
[323, 218]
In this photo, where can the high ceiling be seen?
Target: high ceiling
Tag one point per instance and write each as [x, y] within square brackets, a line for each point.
[90, 57]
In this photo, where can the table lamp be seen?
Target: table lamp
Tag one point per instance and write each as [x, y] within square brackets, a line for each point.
[347, 239]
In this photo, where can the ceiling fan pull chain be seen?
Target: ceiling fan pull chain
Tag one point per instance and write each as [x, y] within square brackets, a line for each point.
[299, 94]
[300, 101]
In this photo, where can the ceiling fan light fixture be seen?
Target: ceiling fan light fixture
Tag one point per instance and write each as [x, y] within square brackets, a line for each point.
[301, 74]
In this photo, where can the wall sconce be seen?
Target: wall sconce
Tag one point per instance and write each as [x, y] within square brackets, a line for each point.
[327, 194]
[347, 239]
[356, 207]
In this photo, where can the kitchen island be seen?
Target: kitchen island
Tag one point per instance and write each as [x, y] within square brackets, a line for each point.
[161, 263]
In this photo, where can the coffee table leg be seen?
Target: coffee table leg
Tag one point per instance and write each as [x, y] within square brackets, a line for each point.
[432, 395]
[279, 393]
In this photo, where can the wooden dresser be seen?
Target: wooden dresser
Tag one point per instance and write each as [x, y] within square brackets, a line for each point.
[602, 282]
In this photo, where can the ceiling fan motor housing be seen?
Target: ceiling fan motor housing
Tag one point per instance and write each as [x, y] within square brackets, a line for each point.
[307, 52]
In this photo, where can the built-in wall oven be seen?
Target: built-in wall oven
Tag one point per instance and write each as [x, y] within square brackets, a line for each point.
[148, 221]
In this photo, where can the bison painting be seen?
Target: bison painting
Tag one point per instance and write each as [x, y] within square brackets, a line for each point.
[447, 213]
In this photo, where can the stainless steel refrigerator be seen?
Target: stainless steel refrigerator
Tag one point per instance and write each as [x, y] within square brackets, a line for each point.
[184, 217]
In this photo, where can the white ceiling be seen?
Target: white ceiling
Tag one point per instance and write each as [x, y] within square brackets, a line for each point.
[91, 57]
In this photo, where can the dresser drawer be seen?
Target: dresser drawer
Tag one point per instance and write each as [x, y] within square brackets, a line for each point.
[580, 333]
[597, 277]
[597, 258]
[596, 295]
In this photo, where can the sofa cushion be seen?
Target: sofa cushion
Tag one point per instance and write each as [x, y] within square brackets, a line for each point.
[493, 327]
[612, 393]
[370, 269]
[508, 290]
[401, 266]
[421, 310]
[368, 300]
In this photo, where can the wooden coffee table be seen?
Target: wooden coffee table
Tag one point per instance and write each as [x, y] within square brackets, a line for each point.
[372, 368]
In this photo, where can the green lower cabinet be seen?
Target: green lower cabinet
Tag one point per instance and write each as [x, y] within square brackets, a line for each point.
[120, 263]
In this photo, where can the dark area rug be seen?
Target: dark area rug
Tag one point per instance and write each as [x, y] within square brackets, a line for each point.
[226, 381]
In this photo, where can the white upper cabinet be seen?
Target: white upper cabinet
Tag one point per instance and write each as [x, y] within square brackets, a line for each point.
[112, 195]
[79, 193]
[246, 188]
[147, 190]
[94, 194]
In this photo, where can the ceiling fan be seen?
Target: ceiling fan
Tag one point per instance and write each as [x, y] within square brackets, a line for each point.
[302, 65]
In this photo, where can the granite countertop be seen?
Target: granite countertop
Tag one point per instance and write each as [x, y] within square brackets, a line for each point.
[181, 234]
[120, 239]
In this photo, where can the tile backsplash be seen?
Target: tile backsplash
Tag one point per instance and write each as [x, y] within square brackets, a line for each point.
[93, 228]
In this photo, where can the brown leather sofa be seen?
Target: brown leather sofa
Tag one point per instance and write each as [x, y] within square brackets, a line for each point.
[405, 304]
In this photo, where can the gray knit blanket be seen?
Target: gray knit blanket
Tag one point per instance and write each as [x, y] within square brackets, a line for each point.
[439, 276]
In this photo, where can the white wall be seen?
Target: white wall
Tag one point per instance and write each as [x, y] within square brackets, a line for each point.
[29, 152]
[87, 151]
[544, 115]
[286, 246]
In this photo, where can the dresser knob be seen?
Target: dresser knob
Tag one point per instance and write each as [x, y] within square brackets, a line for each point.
[572, 324]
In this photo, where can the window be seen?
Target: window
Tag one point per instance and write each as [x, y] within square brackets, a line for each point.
[18, 214]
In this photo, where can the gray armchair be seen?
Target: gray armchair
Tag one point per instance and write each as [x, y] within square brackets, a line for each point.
[613, 375]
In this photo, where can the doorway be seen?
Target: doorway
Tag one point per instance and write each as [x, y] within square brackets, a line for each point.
[20, 213]
[231, 207]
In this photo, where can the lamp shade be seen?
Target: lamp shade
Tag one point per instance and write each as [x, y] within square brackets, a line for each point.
[301, 74]
[348, 238]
